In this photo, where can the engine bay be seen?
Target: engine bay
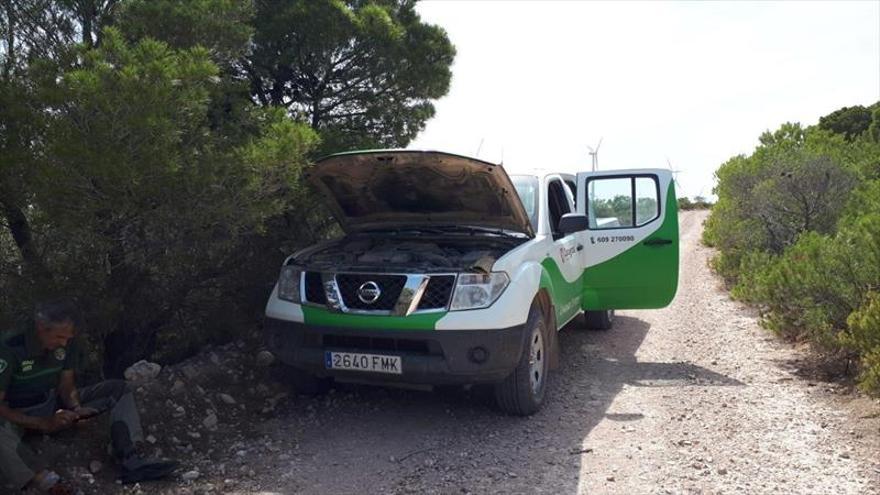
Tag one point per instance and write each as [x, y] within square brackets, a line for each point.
[411, 254]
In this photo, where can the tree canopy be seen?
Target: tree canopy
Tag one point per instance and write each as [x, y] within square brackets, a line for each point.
[849, 121]
[142, 172]
[361, 73]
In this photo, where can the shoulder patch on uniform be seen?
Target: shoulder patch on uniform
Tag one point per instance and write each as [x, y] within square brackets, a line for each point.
[3, 365]
[60, 354]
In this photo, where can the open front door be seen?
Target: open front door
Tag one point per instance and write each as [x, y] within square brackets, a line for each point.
[631, 255]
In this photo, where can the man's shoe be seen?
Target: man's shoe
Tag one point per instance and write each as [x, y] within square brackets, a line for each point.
[49, 482]
[135, 470]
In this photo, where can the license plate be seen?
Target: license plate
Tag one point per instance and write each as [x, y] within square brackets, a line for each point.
[375, 363]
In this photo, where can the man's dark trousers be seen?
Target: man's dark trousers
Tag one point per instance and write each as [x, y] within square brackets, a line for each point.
[18, 463]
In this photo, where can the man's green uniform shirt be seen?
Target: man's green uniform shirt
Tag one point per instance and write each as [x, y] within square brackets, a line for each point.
[28, 373]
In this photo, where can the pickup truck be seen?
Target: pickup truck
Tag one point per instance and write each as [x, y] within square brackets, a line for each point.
[452, 272]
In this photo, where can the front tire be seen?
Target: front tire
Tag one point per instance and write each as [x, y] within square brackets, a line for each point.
[522, 393]
[303, 382]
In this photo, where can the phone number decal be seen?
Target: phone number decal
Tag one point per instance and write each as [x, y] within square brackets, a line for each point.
[612, 239]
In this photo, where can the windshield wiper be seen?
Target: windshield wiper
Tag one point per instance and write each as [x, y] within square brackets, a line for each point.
[471, 229]
[404, 230]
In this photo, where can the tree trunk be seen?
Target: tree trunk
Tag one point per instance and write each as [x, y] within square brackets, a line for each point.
[20, 229]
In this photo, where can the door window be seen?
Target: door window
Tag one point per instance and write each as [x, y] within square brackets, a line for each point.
[559, 205]
[621, 202]
[647, 200]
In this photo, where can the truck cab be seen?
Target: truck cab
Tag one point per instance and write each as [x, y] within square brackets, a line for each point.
[452, 272]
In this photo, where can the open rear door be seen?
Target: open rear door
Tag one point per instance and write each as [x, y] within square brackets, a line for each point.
[631, 255]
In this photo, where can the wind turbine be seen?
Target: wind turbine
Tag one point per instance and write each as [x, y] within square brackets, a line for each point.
[675, 173]
[594, 153]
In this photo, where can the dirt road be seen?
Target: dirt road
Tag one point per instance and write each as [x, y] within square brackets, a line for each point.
[694, 398]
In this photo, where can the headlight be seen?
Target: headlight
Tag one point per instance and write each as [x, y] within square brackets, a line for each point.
[478, 290]
[288, 284]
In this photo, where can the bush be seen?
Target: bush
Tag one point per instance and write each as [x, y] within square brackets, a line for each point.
[698, 203]
[823, 288]
[864, 338]
[801, 241]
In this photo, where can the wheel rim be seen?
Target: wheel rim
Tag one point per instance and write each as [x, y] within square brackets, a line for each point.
[536, 361]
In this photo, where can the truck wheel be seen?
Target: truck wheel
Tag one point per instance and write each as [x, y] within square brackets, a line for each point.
[522, 393]
[303, 382]
[599, 320]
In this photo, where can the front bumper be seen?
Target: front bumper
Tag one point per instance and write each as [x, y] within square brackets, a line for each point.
[434, 357]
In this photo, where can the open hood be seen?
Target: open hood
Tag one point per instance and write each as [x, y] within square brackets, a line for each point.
[405, 188]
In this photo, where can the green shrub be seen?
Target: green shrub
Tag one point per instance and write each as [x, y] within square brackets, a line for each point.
[797, 228]
[864, 338]
[801, 292]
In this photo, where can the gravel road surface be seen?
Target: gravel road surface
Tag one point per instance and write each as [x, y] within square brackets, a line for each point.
[693, 398]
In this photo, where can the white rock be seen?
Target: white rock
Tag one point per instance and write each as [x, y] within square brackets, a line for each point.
[265, 358]
[151, 439]
[95, 466]
[142, 371]
[227, 399]
[191, 475]
[210, 421]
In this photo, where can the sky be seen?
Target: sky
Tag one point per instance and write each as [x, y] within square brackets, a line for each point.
[683, 83]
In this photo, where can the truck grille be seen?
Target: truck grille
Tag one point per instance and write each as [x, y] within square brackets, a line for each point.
[436, 295]
[389, 285]
[438, 292]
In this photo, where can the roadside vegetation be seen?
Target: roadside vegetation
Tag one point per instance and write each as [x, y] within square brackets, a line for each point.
[151, 151]
[697, 203]
[797, 226]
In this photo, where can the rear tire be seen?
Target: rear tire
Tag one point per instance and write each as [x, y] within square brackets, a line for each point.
[522, 393]
[599, 320]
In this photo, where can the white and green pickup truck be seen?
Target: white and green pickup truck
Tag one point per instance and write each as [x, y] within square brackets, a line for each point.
[452, 272]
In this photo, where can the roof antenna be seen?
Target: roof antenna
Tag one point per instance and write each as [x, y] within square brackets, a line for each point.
[477, 155]
[594, 153]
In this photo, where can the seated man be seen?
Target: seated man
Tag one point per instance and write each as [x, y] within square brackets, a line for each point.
[38, 392]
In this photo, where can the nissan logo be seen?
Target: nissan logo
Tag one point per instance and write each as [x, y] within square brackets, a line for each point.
[369, 292]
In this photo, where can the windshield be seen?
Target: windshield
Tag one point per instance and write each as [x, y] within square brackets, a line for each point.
[527, 189]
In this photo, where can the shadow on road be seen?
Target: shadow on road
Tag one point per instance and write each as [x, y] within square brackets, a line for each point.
[400, 440]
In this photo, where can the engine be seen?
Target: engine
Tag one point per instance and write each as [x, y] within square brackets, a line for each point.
[378, 254]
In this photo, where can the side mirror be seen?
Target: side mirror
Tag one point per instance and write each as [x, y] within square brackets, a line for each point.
[573, 222]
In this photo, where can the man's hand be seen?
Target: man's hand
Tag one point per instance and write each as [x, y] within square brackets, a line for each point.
[85, 412]
[61, 420]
